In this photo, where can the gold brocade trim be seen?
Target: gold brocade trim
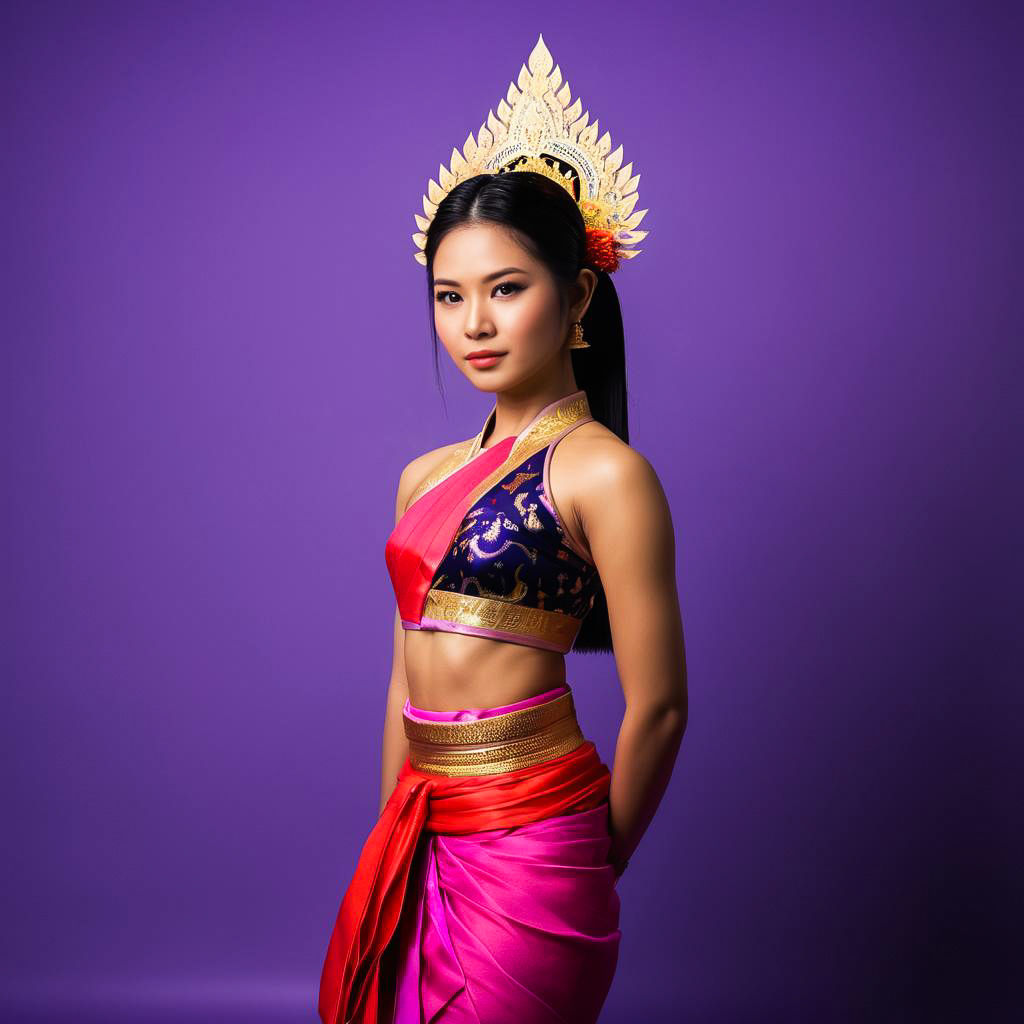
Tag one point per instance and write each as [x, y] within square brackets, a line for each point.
[557, 628]
[567, 411]
[501, 743]
[498, 767]
[542, 430]
[508, 757]
[455, 461]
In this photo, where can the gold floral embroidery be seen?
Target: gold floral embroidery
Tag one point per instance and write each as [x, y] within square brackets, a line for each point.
[518, 480]
[474, 546]
[530, 518]
[517, 593]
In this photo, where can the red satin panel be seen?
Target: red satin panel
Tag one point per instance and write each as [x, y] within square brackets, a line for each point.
[420, 539]
[351, 985]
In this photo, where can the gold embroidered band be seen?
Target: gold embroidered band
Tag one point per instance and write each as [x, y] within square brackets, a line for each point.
[565, 412]
[501, 743]
[556, 628]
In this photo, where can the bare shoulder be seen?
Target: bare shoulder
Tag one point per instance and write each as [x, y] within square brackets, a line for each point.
[593, 458]
[423, 468]
[601, 479]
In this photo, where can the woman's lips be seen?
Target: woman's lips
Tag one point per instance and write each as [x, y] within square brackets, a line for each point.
[481, 362]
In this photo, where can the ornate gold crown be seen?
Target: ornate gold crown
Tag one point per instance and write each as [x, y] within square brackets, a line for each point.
[538, 130]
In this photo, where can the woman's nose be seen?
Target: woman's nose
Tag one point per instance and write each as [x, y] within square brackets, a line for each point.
[477, 321]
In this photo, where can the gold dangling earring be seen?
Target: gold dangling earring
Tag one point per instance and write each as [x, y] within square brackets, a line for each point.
[577, 340]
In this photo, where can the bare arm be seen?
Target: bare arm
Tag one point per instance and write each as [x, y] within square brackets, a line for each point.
[395, 746]
[625, 516]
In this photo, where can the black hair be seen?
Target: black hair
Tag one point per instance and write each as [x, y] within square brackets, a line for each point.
[548, 222]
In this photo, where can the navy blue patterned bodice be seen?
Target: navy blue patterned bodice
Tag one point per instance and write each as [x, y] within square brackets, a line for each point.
[511, 547]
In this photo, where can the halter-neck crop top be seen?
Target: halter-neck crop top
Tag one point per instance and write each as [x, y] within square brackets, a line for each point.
[481, 548]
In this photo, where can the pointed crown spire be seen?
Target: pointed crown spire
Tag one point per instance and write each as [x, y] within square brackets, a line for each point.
[538, 127]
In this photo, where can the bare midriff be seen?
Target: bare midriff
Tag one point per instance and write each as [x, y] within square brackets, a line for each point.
[452, 671]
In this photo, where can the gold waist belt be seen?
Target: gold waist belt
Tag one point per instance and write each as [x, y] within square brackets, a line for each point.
[501, 743]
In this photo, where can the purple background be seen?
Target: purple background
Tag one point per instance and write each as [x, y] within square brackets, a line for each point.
[216, 362]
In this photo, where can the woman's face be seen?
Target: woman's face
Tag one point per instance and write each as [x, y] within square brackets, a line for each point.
[490, 293]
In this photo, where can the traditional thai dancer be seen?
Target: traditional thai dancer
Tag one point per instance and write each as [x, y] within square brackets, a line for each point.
[486, 891]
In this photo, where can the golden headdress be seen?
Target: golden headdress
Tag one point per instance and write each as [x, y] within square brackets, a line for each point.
[537, 129]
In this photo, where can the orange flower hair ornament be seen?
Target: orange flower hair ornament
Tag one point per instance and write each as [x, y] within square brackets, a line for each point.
[538, 128]
[601, 250]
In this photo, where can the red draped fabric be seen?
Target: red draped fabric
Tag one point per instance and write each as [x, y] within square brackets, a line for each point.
[420, 539]
[352, 988]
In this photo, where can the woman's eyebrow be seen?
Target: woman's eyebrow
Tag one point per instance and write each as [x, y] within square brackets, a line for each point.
[489, 277]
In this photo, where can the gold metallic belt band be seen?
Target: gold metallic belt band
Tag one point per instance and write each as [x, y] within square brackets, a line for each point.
[557, 628]
[501, 743]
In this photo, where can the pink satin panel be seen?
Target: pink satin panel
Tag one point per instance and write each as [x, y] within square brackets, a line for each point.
[512, 925]
[420, 539]
[471, 714]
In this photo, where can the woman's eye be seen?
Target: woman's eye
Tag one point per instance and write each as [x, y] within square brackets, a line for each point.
[512, 285]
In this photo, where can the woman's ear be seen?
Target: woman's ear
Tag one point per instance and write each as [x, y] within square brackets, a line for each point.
[583, 289]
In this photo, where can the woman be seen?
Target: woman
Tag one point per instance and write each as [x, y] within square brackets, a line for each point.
[486, 891]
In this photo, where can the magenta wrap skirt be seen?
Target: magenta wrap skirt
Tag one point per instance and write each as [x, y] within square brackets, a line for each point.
[512, 925]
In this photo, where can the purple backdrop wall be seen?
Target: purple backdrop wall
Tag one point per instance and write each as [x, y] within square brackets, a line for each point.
[216, 362]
